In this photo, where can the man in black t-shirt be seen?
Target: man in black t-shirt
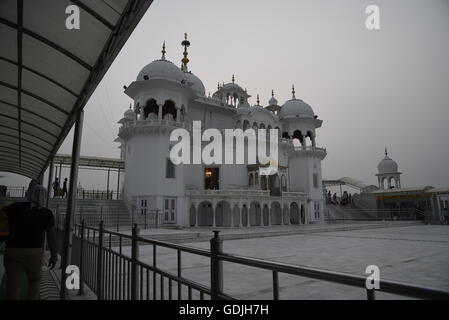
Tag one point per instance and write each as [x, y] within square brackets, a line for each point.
[28, 222]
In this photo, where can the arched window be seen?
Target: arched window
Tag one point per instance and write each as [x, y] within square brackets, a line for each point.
[285, 135]
[251, 180]
[262, 126]
[256, 179]
[245, 124]
[169, 110]
[151, 107]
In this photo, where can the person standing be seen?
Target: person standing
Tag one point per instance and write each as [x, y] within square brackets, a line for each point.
[27, 222]
[64, 188]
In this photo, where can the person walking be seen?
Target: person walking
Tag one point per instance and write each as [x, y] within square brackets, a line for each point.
[64, 188]
[27, 222]
[55, 188]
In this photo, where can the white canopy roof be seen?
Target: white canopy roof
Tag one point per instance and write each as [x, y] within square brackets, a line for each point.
[48, 72]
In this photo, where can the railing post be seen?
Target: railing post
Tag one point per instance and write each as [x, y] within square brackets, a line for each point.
[216, 266]
[370, 294]
[81, 266]
[100, 263]
[157, 218]
[134, 260]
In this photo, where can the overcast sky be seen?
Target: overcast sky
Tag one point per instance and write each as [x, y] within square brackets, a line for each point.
[373, 89]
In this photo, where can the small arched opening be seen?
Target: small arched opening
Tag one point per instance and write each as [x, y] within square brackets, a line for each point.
[151, 109]
[169, 110]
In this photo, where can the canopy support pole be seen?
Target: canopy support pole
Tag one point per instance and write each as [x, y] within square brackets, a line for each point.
[50, 178]
[71, 201]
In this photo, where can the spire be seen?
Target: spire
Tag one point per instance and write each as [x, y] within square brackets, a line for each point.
[163, 51]
[218, 86]
[272, 93]
[130, 105]
[258, 101]
[386, 152]
[185, 60]
[233, 79]
[293, 92]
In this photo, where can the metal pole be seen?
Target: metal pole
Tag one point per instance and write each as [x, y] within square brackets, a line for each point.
[216, 266]
[107, 186]
[118, 184]
[81, 266]
[60, 172]
[100, 263]
[71, 201]
[134, 260]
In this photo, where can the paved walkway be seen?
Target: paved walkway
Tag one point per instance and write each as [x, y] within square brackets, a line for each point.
[415, 254]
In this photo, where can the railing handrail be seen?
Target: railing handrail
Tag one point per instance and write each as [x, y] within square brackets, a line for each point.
[394, 287]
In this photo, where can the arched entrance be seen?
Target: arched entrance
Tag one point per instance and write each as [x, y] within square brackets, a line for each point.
[255, 214]
[223, 214]
[294, 213]
[276, 214]
[205, 214]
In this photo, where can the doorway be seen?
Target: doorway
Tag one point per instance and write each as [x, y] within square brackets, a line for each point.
[211, 178]
[169, 210]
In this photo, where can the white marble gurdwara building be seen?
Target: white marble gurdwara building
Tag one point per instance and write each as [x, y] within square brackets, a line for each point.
[167, 97]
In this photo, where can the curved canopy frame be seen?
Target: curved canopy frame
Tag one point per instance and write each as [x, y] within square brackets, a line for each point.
[48, 72]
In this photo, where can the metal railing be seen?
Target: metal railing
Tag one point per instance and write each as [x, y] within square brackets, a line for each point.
[20, 192]
[346, 214]
[110, 265]
[112, 218]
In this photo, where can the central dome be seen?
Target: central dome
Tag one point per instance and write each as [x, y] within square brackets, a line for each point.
[197, 84]
[161, 69]
[296, 108]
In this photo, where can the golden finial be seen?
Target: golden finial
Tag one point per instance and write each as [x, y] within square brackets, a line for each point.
[258, 101]
[272, 93]
[233, 79]
[163, 51]
[130, 105]
[185, 60]
[293, 91]
[386, 152]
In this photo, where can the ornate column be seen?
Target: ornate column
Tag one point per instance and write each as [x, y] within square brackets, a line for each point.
[159, 114]
[240, 215]
[269, 214]
[194, 204]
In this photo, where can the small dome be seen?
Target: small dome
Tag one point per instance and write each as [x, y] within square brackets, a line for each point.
[232, 86]
[129, 114]
[387, 165]
[273, 101]
[161, 69]
[243, 110]
[197, 84]
[296, 108]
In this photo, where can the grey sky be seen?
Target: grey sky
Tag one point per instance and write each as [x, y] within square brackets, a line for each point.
[372, 88]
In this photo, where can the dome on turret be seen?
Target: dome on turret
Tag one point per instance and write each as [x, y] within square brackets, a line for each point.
[296, 108]
[387, 165]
